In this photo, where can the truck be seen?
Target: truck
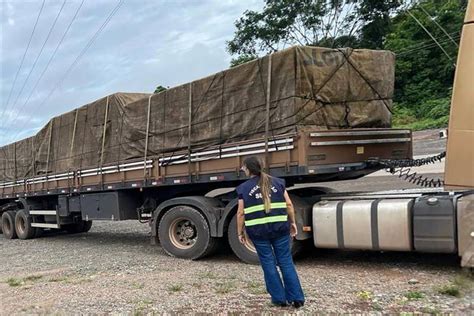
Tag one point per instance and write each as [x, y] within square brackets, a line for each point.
[175, 192]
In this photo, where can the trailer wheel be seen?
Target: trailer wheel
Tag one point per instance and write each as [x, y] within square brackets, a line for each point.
[23, 225]
[247, 252]
[8, 225]
[184, 233]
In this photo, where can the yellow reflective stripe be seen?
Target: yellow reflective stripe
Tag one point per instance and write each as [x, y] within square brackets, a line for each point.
[266, 220]
[261, 207]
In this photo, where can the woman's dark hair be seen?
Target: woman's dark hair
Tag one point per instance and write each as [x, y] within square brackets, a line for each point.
[254, 166]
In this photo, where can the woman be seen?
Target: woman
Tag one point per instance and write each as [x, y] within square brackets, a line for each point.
[267, 216]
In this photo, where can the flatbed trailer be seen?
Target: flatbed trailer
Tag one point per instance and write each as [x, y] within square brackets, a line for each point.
[174, 186]
[171, 191]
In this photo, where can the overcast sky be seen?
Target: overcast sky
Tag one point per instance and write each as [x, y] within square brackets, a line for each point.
[145, 44]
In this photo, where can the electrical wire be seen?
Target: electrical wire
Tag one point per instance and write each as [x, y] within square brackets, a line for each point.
[80, 55]
[84, 50]
[36, 60]
[23, 58]
[47, 66]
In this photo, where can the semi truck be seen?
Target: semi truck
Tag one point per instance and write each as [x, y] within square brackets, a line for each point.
[171, 192]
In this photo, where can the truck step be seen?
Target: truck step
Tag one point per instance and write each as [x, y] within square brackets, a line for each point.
[43, 212]
[44, 225]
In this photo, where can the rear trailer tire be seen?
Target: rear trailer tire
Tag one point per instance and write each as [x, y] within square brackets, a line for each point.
[184, 233]
[23, 225]
[8, 225]
[247, 252]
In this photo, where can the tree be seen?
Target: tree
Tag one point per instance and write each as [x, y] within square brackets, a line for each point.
[424, 73]
[160, 89]
[331, 23]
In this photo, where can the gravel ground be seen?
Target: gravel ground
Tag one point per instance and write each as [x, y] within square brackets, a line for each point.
[114, 269]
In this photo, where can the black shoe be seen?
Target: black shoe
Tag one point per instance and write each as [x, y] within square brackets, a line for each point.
[280, 304]
[298, 304]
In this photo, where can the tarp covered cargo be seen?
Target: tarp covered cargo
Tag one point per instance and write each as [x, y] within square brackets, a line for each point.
[307, 87]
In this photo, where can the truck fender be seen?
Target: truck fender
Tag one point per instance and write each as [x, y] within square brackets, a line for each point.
[209, 207]
[226, 217]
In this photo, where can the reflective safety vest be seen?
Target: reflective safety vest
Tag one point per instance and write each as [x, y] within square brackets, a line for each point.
[258, 223]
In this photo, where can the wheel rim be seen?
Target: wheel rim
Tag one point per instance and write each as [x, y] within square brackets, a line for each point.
[183, 233]
[20, 225]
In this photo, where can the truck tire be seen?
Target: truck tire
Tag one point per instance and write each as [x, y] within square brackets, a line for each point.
[87, 226]
[247, 252]
[79, 227]
[184, 233]
[23, 227]
[8, 225]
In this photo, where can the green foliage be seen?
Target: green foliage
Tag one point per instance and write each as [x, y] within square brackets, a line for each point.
[414, 295]
[160, 89]
[364, 295]
[15, 282]
[451, 290]
[432, 113]
[284, 23]
[424, 74]
[241, 59]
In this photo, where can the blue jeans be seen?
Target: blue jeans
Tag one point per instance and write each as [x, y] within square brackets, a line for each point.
[275, 252]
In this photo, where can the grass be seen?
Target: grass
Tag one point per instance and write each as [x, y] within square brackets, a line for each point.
[58, 279]
[376, 306]
[15, 282]
[138, 285]
[461, 283]
[175, 288]
[414, 295]
[224, 288]
[208, 275]
[33, 278]
[256, 288]
[364, 295]
[140, 306]
[450, 290]
[430, 310]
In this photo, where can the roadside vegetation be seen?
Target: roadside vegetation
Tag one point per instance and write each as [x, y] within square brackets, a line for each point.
[424, 71]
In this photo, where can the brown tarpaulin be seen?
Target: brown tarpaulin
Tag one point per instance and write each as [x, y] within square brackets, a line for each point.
[310, 87]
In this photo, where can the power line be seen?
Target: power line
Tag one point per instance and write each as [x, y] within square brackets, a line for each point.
[439, 26]
[49, 61]
[23, 58]
[84, 50]
[37, 57]
[432, 37]
[78, 58]
[426, 46]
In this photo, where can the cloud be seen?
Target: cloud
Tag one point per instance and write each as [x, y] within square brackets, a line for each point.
[146, 44]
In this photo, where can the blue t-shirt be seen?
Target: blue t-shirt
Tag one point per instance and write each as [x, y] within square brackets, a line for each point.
[250, 193]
